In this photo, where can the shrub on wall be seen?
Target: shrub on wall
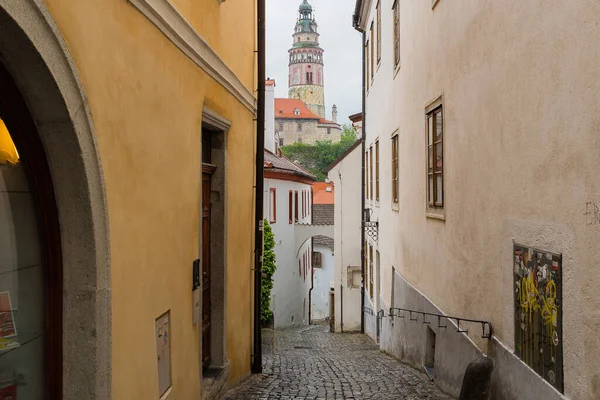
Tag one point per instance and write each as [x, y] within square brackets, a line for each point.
[315, 158]
[269, 268]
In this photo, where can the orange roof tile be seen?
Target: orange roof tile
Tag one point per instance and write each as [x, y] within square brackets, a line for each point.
[284, 108]
[326, 121]
[320, 193]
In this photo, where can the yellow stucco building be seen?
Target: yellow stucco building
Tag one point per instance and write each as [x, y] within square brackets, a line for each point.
[134, 141]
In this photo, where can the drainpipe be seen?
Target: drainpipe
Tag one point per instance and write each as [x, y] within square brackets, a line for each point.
[312, 278]
[355, 23]
[259, 187]
[341, 252]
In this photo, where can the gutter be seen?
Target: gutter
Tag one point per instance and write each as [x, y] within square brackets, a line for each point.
[256, 366]
[356, 24]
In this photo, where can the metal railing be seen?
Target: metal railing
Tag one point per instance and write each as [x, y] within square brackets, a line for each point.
[486, 326]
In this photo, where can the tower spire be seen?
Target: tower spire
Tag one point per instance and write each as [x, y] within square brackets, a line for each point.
[306, 62]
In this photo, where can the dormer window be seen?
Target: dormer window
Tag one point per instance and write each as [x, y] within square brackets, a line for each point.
[296, 112]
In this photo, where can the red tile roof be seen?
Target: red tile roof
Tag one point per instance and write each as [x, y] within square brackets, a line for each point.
[326, 121]
[281, 164]
[320, 193]
[284, 108]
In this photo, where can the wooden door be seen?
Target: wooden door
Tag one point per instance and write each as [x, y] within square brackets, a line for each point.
[206, 303]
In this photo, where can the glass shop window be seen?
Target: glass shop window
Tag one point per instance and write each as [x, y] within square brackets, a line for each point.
[21, 282]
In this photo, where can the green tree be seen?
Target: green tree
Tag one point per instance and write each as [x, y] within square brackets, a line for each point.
[269, 268]
[315, 158]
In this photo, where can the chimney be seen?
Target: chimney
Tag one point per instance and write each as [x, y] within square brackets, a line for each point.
[270, 115]
[334, 113]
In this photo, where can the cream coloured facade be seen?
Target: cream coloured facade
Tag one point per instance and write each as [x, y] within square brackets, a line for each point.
[345, 175]
[508, 231]
[134, 125]
[295, 123]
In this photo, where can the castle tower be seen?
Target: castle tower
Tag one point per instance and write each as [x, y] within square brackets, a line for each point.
[306, 62]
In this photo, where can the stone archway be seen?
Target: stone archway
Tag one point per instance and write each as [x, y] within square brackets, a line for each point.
[304, 232]
[37, 58]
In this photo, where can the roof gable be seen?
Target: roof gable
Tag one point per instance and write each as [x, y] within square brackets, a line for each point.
[284, 108]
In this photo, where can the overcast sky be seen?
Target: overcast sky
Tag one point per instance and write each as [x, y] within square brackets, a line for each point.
[342, 57]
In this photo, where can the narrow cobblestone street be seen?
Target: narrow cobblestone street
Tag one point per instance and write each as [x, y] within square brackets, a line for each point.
[312, 363]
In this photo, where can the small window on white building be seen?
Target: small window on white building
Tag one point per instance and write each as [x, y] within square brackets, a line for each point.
[296, 111]
[273, 205]
[317, 259]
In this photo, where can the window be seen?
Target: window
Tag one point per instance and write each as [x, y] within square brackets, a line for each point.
[371, 272]
[371, 172]
[296, 206]
[329, 131]
[367, 64]
[291, 206]
[372, 55]
[395, 169]
[273, 205]
[296, 111]
[377, 170]
[299, 267]
[317, 260]
[309, 77]
[299, 127]
[378, 32]
[396, 11]
[435, 158]
[280, 141]
[281, 126]
[303, 205]
[304, 265]
[367, 174]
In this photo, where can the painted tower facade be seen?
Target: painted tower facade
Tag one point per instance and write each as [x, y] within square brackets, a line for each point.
[306, 62]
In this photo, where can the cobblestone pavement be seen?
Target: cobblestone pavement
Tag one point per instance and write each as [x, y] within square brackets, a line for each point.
[312, 363]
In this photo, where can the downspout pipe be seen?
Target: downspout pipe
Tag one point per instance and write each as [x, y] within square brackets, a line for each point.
[356, 24]
[256, 366]
[312, 267]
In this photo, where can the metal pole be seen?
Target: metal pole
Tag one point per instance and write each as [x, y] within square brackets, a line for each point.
[260, 161]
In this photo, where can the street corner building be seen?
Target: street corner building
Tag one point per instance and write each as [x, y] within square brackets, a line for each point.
[481, 193]
[127, 165]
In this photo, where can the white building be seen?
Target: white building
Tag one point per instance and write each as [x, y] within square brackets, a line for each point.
[323, 250]
[287, 204]
[288, 207]
[482, 152]
[345, 174]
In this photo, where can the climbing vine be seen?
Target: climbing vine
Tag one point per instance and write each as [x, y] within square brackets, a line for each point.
[269, 268]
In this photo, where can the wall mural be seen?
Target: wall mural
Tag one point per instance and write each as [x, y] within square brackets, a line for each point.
[538, 312]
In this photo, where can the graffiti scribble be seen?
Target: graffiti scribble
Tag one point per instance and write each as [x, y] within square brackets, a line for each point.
[592, 213]
[538, 314]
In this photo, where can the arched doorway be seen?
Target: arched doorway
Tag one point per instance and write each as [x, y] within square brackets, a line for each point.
[30, 257]
[57, 120]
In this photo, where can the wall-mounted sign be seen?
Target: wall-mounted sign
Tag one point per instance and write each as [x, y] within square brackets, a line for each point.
[163, 351]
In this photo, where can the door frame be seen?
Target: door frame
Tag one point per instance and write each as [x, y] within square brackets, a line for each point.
[218, 128]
